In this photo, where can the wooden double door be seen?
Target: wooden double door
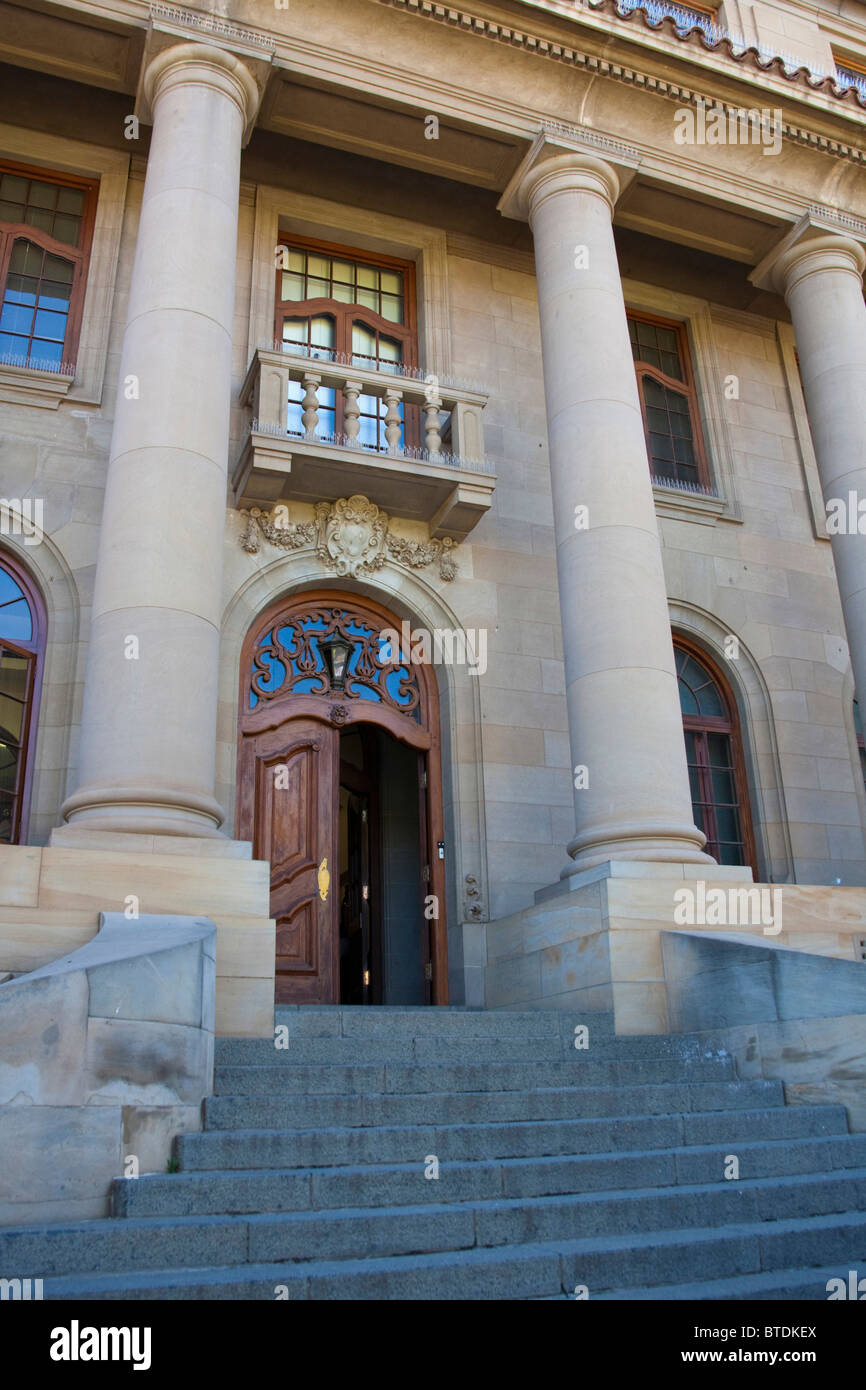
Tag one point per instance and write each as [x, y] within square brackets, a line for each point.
[342, 796]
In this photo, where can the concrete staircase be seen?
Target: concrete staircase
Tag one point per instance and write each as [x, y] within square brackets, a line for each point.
[558, 1167]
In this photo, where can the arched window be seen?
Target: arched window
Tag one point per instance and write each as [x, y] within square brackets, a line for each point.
[46, 226]
[714, 753]
[22, 632]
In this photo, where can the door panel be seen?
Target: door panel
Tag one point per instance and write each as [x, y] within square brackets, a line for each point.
[291, 773]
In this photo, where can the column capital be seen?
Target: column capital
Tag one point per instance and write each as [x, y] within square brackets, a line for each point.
[815, 244]
[580, 161]
[200, 64]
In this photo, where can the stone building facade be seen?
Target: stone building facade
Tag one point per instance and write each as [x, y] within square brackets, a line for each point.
[533, 331]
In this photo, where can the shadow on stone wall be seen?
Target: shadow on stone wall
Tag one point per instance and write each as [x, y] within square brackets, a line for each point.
[783, 1015]
[105, 1055]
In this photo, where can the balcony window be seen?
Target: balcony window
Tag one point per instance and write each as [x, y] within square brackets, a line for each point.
[334, 306]
[46, 223]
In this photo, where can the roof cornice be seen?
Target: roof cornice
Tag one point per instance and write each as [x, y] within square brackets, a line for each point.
[480, 26]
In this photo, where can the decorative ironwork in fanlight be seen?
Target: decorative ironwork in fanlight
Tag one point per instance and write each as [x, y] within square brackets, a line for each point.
[291, 658]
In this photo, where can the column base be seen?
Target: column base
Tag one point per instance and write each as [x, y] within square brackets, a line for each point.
[649, 843]
[572, 878]
[80, 834]
[151, 811]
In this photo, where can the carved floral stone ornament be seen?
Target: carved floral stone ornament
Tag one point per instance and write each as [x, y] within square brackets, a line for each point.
[351, 537]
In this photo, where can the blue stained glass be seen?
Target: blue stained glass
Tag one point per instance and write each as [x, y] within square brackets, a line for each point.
[16, 620]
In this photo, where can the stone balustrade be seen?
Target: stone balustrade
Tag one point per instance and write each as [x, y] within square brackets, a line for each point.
[293, 451]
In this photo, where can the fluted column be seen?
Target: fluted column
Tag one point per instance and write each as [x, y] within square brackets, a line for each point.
[822, 283]
[623, 706]
[149, 722]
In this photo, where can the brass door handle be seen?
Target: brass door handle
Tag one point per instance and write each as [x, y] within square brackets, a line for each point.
[324, 880]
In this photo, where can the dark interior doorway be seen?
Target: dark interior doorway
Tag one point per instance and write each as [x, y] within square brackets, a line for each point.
[384, 936]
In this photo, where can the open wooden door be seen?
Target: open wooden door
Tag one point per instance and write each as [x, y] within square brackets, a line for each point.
[289, 798]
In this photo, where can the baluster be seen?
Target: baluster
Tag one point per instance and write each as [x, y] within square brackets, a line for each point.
[312, 381]
[393, 423]
[433, 436]
[351, 409]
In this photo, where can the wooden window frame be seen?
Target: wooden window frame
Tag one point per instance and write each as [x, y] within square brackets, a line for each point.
[344, 315]
[686, 387]
[34, 651]
[729, 725]
[10, 232]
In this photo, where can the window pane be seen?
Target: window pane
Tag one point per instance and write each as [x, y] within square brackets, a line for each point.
[390, 350]
[369, 299]
[295, 330]
[392, 308]
[11, 212]
[293, 287]
[319, 266]
[14, 187]
[16, 318]
[368, 276]
[297, 261]
[322, 331]
[43, 195]
[58, 269]
[11, 347]
[363, 341]
[39, 217]
[45, 354]
[70, 200]
[317, 288]
[50, 325]
[26, 258]
[67, 229]
[16, 621]
[344, 272]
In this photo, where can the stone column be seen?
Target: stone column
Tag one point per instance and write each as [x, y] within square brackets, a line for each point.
[623, 705]
[149, 721]
[822, 283]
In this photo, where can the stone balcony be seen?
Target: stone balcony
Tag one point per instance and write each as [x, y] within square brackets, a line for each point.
[289, 453]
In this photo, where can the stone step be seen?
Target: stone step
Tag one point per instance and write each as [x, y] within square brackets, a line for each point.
[326, 1147]
[423, 1051]
[610, 1268]
[686, 1258]
[208, 1193]
[275, 1081]
[337, 1049]
[321, 1021]
[774, 1285]
[109, 1245]
[571, 1102]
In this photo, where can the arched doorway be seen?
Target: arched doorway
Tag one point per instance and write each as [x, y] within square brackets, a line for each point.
[714, 752]
[339, 788]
